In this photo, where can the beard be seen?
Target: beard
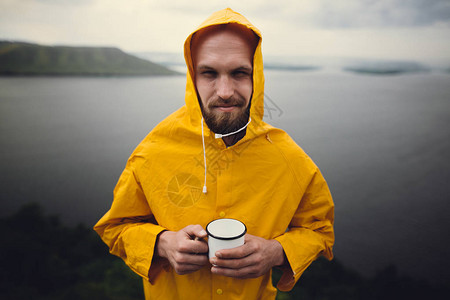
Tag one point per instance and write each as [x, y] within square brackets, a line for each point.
[225, 122]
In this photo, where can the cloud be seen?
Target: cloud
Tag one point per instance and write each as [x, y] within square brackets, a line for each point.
[383, 13]
[318, 27]
[63, 2]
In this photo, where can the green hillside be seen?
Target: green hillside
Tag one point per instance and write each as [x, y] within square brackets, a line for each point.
[17, 58]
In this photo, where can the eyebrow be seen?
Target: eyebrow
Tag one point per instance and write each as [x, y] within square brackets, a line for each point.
[240, 68]
[244, 68]
[204, 67]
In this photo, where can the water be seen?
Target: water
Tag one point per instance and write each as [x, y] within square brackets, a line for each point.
[382, 143]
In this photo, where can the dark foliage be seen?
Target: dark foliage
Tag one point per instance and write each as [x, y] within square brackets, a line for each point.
[327, 280]
[43, 259]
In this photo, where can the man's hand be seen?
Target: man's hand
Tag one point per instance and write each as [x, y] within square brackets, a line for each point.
[253, 259]
[185, 250]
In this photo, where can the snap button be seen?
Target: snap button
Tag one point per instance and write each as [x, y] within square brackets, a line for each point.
[219, 291]
[222, 214]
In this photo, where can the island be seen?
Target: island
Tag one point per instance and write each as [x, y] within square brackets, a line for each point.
[27, 59]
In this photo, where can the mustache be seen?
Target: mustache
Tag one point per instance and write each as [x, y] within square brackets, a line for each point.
[232, 101]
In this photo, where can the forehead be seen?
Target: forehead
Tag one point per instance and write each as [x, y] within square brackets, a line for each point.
[223, 44]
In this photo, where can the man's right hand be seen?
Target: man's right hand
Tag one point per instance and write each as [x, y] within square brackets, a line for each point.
[185, 250]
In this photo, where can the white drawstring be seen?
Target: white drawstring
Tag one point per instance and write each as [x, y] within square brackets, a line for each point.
[218, 135]
[204, 159]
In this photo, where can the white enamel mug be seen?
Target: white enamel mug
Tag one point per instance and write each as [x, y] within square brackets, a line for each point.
[225, 234]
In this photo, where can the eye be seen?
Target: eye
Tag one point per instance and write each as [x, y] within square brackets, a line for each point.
[241, 74]
[208, 74]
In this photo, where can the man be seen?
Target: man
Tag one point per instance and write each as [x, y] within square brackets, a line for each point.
[216, 158]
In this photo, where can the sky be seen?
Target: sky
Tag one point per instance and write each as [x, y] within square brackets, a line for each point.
[384, 29]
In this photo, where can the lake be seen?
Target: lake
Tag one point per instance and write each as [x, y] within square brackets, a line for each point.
[382, 143]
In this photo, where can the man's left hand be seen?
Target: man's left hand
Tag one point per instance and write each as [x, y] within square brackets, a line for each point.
[253, 259]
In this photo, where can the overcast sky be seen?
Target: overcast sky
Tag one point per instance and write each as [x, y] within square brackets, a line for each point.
[408, 29]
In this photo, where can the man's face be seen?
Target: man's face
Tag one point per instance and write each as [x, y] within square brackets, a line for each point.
[223, 77]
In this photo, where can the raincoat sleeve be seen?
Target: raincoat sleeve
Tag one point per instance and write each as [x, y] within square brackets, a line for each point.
[310, 232]
[129, 228]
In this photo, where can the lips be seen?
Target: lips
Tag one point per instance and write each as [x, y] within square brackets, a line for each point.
[226, 105]
[226, 108]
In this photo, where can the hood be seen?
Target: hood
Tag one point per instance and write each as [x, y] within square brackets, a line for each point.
[256, 126]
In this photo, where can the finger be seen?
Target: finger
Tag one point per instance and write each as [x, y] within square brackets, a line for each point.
[195, 231]
[247, 272]
[193, 247]
[233, 263]
[186, 269]
[200, 247]
[198, 260]
[190, 259]
[238, 252]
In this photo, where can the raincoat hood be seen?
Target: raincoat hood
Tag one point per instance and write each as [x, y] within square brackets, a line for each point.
[194, 114]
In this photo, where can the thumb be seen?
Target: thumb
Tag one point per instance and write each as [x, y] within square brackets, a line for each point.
[195, 231]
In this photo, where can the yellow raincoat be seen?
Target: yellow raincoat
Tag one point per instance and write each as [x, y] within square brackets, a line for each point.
[264, 180]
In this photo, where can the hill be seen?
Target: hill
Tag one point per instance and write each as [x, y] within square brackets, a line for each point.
[17, 58]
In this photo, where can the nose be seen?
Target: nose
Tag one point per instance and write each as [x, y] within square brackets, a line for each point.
[224, 87]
